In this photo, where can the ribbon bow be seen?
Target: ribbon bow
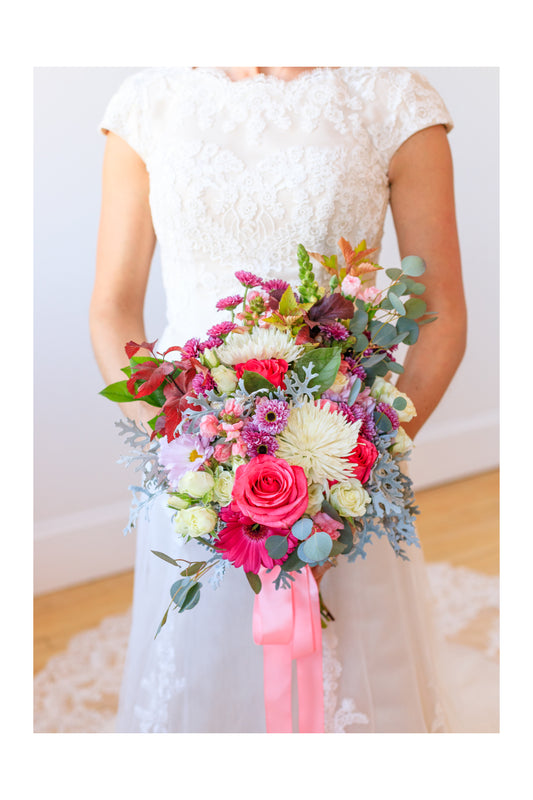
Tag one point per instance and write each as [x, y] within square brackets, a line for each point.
[287, 623]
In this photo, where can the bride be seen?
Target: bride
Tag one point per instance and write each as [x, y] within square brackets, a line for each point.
[231, 168]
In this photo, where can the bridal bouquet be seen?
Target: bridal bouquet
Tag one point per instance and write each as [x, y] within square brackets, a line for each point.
[278, 438]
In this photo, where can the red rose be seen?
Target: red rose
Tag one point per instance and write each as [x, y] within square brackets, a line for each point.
[363, 456]
[273, 369]
[270, 491]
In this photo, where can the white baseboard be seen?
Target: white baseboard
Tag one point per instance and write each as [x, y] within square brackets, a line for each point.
[90, 544]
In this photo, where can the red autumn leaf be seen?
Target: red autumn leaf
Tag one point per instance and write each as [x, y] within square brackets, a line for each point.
[132, 347]
[153, 373]
[330, 308]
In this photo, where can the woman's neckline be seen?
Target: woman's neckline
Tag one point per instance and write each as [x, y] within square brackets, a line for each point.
[262, 77]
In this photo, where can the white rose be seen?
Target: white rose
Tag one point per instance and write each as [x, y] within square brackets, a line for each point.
[225, 378]
[236, 462]
[196, 483]
[210, 358]
[402, 442]
[223, 487]
[386, 392]
[316, 496]
[174, 501]
[195, 521]
[349, 498]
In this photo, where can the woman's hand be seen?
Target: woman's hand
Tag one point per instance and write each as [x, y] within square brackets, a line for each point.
[140, 412]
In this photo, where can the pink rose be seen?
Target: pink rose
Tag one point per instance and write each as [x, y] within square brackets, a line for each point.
[270, 491]
[363, 457]
[209, 426]
[368, 294]
[273, 369]
[351, 285]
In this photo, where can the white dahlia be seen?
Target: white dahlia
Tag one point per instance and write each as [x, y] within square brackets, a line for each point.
[319, 441]
[260, 343]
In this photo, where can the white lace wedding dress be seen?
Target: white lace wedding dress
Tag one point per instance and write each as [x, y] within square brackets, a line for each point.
[240, 174]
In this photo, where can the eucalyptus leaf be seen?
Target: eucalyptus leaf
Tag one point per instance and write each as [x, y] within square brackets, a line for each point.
[374, 359]
[382, 333]
[393, 273]
[361, 343]
[191, 597]
[302, 528]
[414, 287]
[292, 562]
[413, 266]
[354, 391]
[358, 322]
[426, 321]
[165, 558]
[193, 568]
[395, 367]
[315, 549]
[383, 423]
[415, 307]
[255, 581]
[276, 546]
[398, 289]
[179, 589]
[399, 403]
[397, 304]
[163, 622]
[411, 327]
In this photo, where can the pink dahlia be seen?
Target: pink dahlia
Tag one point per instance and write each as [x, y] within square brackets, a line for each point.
[243, 542]
[271, 415]
[275, 285]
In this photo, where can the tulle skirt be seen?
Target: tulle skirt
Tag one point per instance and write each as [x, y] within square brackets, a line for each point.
[204, 673]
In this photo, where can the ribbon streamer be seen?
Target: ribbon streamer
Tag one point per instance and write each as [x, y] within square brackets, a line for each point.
[286, 622]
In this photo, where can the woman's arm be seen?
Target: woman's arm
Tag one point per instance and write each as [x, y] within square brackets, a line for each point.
[423, 209]
[126, 242]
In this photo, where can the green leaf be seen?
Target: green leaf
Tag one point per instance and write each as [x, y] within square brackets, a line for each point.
[193, 568]
[413, 266]
[354, 391]
[397, 304]
[253, 382]
[337, 548]
[315, 549]
[346, 537]
[393, 274]
[163, 621]
[398, 289]
[191, 598]
[302, 528]
[326, 362]
[330, 511]
[411, 327]
[255, 581]
[288, 305]
[117, 392]
[276, 546]
[360, 304]
[382, 333]
[425, 321]
[374, 359]
[383, 423]
[413, 287]
[179, 589]
[358, 322]
[361, 343]
[415, 307]
[395, 367]
[380, 369]
[292, 562]
[399, 403]
[165, 558]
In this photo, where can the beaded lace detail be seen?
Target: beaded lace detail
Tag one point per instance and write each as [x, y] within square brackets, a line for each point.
[241, 172]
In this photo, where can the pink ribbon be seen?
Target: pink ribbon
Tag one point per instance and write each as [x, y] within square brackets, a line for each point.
[287, 623]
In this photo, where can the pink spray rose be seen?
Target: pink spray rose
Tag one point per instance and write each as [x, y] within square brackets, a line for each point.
[351, 285]
[209, 426]
[270, 491]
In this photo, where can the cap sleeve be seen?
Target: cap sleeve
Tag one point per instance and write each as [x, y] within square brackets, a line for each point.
[125, 114]
[403, 103]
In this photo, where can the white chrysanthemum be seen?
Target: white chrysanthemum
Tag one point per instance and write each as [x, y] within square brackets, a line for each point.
[260, 343]
[319, 441]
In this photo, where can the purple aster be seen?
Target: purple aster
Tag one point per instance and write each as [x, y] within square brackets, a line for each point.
[271, 415]
[347, 412]
[368, 426]
[335, 330]
[355, 368]
[248, 279]
[258, 442]
[190, 348]
[201, 384]
[229, 303]
[221, 329]
[384, 408]
[275, 284]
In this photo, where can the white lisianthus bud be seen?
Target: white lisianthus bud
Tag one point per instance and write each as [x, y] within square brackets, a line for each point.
[223, 487]
[195, 521]
[177, 502]
[349, 498]
[315, 494]
[210, 358]
[402, 442]
[225, 378]
[386, 392]
[196, 483]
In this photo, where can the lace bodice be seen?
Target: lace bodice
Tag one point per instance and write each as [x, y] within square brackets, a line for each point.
[242, 172]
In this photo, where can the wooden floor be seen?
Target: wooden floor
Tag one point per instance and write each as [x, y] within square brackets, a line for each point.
[458, 523]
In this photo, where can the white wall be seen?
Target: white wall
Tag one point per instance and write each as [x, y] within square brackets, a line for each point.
[81, 495]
